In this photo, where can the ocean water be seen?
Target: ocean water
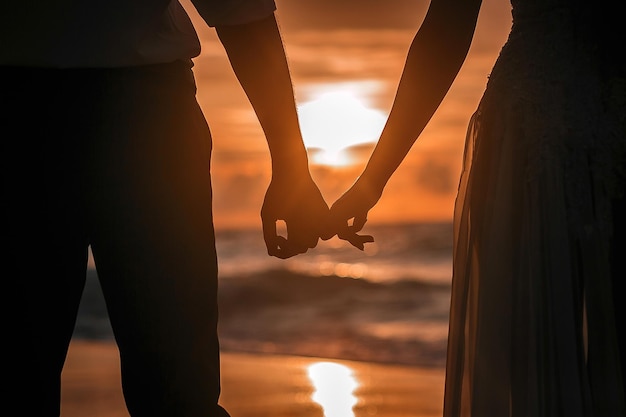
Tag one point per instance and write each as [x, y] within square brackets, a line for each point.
[387, 304]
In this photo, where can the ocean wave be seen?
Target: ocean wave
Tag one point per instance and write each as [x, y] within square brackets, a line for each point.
[288, 312]
[282, 311]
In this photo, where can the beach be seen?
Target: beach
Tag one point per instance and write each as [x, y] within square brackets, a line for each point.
[370, 327]
[261, 385]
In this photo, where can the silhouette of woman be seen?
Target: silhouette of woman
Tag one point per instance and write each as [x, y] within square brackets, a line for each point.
[534, 329]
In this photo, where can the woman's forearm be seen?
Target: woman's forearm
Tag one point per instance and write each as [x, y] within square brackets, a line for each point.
[434, 59]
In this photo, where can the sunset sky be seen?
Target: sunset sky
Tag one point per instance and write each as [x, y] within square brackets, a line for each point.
[346, 57]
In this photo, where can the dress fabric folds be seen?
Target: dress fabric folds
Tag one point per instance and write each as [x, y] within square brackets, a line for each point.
[532, 327]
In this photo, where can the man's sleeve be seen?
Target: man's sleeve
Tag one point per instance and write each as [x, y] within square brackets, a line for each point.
[233, 12]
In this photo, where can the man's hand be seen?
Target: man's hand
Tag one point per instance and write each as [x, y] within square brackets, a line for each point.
[299, 203]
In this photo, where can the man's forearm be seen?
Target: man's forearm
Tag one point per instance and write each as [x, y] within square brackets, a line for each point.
[257, 56]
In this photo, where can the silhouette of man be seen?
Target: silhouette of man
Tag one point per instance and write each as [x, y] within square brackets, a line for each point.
[105, 146]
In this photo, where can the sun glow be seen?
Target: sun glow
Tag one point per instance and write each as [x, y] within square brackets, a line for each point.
[334, 388]
[335, 121]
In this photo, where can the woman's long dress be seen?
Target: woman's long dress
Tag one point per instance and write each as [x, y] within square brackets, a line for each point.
[532, 325]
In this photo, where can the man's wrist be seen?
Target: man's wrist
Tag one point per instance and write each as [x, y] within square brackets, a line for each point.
[294, 162]
[290, 170]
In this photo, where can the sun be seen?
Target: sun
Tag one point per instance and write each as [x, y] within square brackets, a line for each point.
[334, 121]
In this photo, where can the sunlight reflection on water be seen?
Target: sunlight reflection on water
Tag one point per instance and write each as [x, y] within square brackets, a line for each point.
[334, 388]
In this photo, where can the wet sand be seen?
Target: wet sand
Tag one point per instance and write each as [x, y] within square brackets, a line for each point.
[255, 385]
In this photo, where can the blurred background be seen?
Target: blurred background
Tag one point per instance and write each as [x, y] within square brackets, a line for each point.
[388, 304]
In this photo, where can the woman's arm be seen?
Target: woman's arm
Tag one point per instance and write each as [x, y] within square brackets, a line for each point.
[435, 57]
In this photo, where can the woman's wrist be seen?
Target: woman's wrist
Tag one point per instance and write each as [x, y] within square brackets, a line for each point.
[373, 181]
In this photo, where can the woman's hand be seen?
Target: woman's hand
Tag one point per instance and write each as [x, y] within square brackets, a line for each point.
[354, 205]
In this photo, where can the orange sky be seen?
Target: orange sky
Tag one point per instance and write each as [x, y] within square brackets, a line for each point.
[356, 48]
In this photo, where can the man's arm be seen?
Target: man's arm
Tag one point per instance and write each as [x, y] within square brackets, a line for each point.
[257, 56]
